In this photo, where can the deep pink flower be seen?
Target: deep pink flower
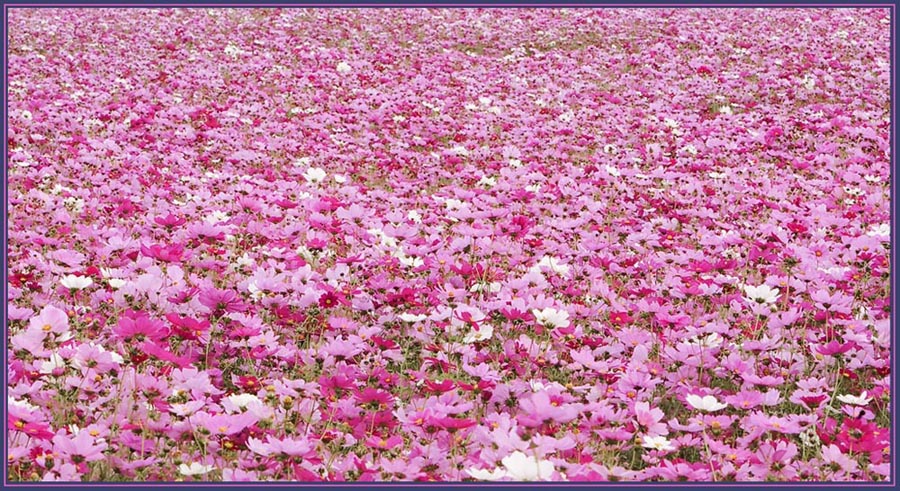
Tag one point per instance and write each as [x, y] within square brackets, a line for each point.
[170, 221]
[139, 326]
[380, 443]
[171, 254]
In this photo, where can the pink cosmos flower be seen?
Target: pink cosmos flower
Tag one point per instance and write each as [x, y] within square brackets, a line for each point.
[83, 447]
[50, 319]
[543, 407]
[222, 300]
[650, 420]
[274, 446]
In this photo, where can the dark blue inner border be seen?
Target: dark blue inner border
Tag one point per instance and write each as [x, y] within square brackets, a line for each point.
[451, 3]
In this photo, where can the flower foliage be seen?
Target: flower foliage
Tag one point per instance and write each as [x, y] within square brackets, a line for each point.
[458, 244]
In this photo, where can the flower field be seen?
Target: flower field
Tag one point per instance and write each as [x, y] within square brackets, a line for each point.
[449, 244]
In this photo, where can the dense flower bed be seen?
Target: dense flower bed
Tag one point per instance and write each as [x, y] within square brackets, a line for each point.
[448, 244]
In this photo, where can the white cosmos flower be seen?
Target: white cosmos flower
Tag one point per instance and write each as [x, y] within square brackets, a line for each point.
[487, 181]
[852, 191]
[860, 400]
[302, 162]
[412, 317]
[809, 82]
[314, 174]
[217, 216]
[516, 163]
[414, 216]
[717, 175]
[486, 475]
[613, 171]
[521, 467]
[11, 401]
[706, 403]
[116, 283]
[710, 341]
[244, 260]
[74, 204]
[55, 362]
[413, 262]
[340, 179]
[761, 294]
[255, 292]
[554, 265]
[460, 150]
[517, 467]
[194, 469]
[657, 443]
[344, 67]
[453, 204]
[76, 282]
[484, 332]
[551, 317]
[232, 50]
[881, 230]
[492, 287]
[241, 401]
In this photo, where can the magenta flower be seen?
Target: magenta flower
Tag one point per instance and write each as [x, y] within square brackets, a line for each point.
[171, 254]
[138, 326]
[169, 221]
[380, 443]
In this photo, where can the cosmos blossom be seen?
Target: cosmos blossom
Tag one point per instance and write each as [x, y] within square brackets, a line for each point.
[366, 245]
[76, 282]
